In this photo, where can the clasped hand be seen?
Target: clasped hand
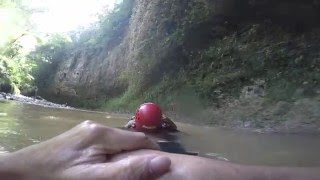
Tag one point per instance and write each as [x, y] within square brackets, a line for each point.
[85, 152]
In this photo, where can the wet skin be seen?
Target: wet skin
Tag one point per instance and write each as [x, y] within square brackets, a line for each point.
[84, 152]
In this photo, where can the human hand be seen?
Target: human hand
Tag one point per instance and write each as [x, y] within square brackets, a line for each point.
[183, 166]
[84, 153]
[193, 167]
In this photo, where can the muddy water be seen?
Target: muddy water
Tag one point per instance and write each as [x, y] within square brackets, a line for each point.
[22, 125]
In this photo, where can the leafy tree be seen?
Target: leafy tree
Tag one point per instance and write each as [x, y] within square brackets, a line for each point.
[47, 57]
[106, 32]
[109, 29]
[15, 67]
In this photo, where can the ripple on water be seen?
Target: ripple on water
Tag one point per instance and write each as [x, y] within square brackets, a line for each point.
[3, 114]
[51, 117]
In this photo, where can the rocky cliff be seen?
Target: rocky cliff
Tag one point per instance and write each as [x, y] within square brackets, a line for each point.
[220, 51]
[98, 72]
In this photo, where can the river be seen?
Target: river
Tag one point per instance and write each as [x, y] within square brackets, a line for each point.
[22, 125]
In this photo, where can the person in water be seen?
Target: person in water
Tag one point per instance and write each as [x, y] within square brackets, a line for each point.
[149, 117]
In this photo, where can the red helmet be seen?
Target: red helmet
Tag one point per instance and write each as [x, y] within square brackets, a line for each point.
[148, 117]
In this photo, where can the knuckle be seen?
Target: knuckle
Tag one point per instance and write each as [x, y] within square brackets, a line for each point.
[86, 123]
[91, 128]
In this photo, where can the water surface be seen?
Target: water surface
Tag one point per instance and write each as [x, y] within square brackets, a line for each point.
[22, 125]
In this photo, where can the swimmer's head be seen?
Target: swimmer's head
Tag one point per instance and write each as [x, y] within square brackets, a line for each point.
[148, 117]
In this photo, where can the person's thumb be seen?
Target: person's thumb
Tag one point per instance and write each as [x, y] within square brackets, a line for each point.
[144, 167]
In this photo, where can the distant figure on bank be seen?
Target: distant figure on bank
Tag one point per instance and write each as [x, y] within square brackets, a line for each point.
[149, 118]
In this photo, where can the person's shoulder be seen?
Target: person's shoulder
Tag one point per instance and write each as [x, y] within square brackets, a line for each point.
[168, 124]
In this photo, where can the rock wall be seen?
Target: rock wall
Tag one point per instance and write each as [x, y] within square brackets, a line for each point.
[141, 58]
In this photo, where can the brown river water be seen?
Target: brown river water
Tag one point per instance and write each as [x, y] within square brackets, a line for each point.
[22, 125]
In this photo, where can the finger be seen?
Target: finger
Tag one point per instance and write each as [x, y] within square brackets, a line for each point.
[116, 140]
[111, 140]
[139, 167]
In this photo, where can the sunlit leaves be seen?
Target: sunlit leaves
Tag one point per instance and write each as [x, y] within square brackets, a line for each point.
[15, 67]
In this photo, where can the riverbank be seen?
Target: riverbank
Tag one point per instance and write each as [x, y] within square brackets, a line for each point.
[255, 114]
[252, 114]
[32, 100]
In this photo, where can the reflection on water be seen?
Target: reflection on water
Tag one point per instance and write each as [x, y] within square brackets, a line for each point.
[22, 125]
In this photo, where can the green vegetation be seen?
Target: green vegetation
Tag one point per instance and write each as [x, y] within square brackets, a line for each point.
[177, 18]
[15, 67]
[20, 69]
[107, 32]
[184, 55]
[215, 71]
[47, 58]
[284, 61]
